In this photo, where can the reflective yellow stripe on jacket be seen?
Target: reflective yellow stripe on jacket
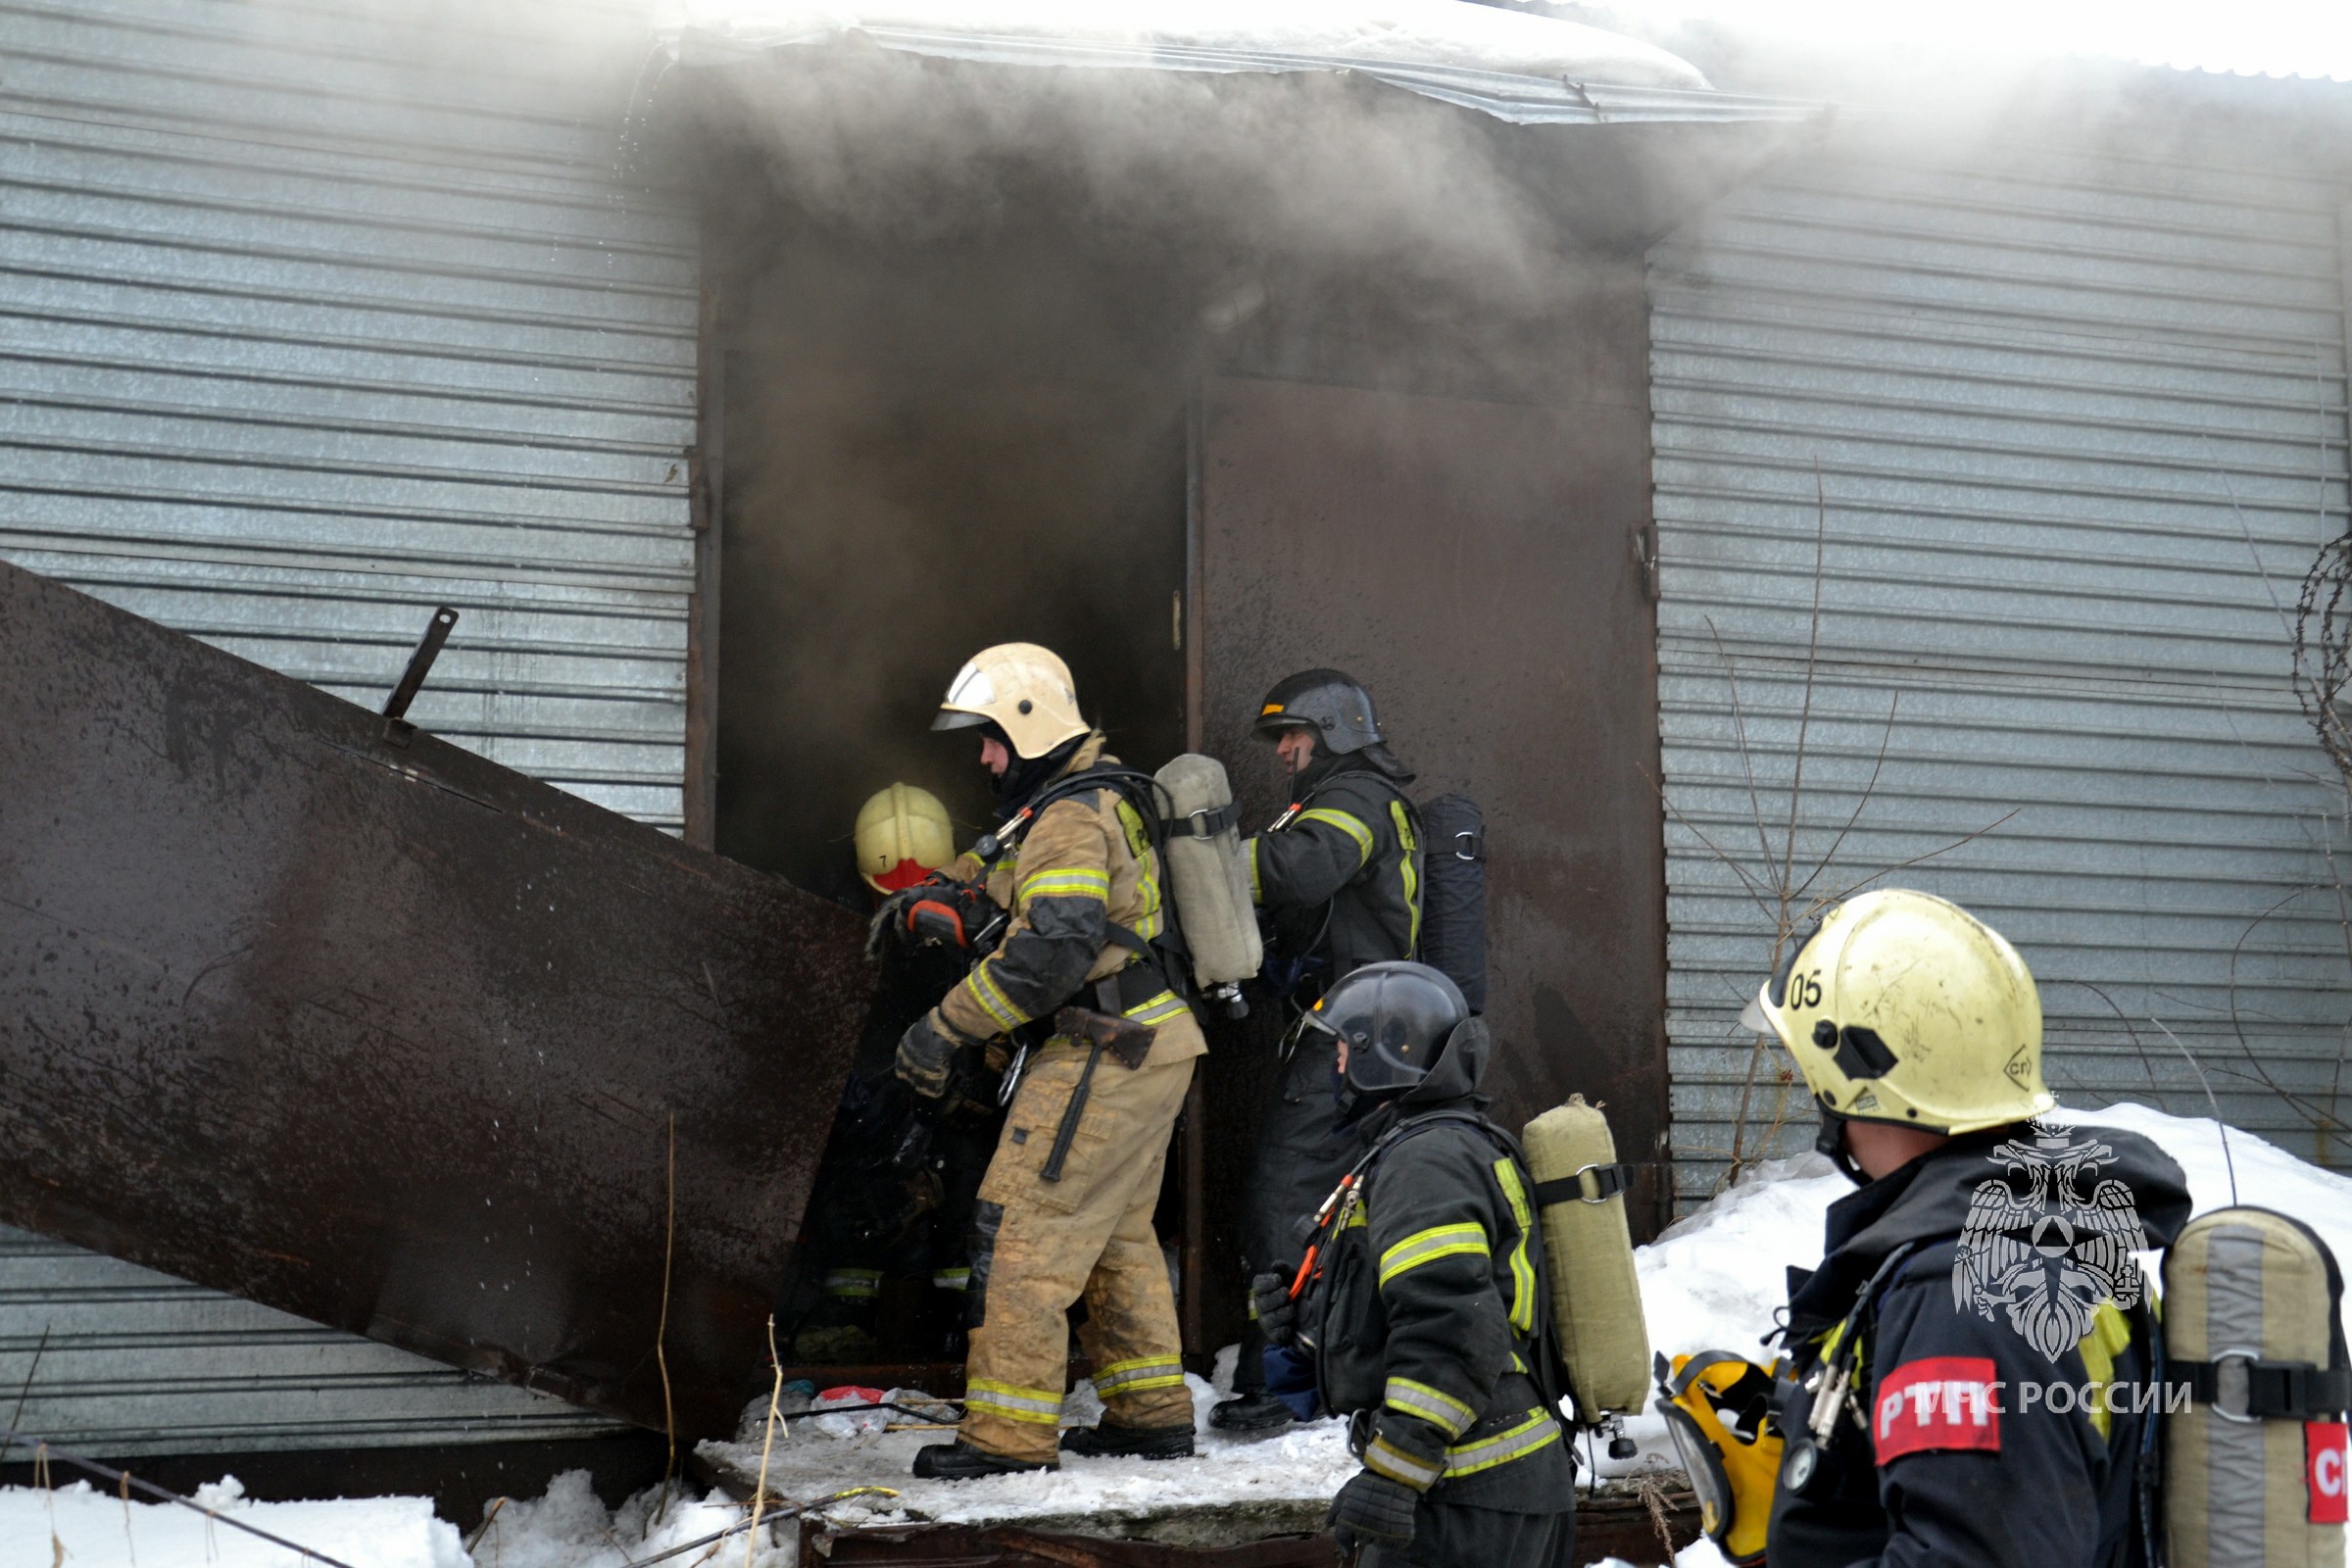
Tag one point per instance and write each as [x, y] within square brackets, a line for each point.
[1347, 824]
[1435, 1406]
[1065, 882]
[1523, 1269]
[2109, 1337]
[1157, 1009]
[992, 1001]
[1154, 917]
[1427, 1246]
[1384, 1458]
[1408, 869]
[1538, 1432]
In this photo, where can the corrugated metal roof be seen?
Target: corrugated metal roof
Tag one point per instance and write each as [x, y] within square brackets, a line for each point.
[2063, 432]
[312, 317]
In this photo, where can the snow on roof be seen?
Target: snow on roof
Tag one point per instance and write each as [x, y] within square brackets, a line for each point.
[1515, 65]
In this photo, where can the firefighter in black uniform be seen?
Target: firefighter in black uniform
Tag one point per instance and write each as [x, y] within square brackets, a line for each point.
[895, 1189]
[1337, 876]
[1426, 1312]
[1984, 1252]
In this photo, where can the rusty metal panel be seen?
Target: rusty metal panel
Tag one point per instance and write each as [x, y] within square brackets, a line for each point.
[1471, 562]
[387, 1036]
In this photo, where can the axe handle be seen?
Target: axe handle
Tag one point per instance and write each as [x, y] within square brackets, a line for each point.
[1067, 1133]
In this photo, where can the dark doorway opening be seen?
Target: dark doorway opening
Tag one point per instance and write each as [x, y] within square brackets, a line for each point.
[992, 395]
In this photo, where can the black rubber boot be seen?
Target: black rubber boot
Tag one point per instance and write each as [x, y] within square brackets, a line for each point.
[1250, 1411]
[960, 1461]
[1108, 1441]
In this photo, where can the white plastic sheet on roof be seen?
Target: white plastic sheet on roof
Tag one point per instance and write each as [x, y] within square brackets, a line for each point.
[1516, 66]
[2077, 427]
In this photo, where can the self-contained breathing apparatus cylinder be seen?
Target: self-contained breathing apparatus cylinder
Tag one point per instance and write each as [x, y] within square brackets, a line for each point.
[1589, 1250]
[2254, 1468]
[1207, 881]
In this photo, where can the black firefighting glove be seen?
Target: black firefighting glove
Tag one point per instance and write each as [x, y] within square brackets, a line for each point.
[933, 1056]
[1271, 1304]
[1372, 1508]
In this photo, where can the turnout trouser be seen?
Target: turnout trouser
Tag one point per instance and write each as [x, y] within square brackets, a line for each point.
[1451, 1536]
[1039, 1246]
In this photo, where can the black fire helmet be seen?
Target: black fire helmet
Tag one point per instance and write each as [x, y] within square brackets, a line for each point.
[1396, 1018]
[1330, 701]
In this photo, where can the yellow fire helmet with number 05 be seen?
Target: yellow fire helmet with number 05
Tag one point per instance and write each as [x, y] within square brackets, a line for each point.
[1903, 1007]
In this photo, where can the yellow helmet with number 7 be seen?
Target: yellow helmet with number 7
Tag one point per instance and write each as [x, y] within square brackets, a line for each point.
[1903, 1007]
[903, 835]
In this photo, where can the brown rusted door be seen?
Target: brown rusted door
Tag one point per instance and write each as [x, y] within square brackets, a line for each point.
[387, 1036]
[1472, 563]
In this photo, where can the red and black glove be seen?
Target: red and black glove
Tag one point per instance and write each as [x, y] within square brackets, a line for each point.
[937, 910]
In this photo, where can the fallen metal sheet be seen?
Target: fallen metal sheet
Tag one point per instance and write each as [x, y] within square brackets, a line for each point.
[391, 1036]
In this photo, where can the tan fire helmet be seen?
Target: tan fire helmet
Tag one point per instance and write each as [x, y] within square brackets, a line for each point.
[1903, 1007]
[903, 835]
[1024, 690]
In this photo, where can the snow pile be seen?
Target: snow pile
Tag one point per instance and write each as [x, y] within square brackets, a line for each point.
[1441, 33]
[570, 1527]
[566, 1528]
[99, 1530]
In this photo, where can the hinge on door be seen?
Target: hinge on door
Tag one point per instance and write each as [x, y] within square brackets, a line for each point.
[1645, 556]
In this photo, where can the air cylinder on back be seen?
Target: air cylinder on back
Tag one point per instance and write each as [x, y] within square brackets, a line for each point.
[2254, 1468]
[1588, 1252]
[1209, 884]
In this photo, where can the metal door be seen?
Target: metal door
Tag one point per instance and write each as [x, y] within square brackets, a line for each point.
[1471, 563]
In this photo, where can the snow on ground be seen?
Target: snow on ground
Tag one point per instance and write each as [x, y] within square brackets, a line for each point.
[1711, 1282]
[1306, 1464]
[566, 1528]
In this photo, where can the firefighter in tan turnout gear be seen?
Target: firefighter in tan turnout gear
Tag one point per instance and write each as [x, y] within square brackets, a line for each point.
[1074, 1006]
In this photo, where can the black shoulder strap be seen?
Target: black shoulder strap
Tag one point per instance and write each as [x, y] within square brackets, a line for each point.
[1142, 791]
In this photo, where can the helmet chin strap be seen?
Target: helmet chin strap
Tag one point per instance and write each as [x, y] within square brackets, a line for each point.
[1831, 1141]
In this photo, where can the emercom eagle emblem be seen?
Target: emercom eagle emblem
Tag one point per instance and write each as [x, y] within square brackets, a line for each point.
[2049, 1240]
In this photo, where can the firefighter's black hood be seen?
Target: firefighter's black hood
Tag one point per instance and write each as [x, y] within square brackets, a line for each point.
[1929, 1200]
[1452, 1084]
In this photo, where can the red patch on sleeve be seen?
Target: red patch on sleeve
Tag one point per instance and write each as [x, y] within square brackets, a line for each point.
[2323, 1472]
[1943, 1402]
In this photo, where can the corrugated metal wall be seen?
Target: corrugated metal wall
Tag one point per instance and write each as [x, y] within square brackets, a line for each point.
[2054, 437]
[316, 313]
